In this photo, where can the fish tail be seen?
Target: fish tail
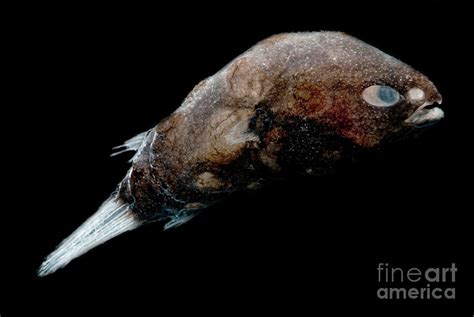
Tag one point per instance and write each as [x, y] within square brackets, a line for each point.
[113, 218]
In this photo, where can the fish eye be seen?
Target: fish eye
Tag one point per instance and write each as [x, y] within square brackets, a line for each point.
[381, 96]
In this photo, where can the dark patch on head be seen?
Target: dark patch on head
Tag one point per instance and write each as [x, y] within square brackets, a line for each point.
[262, 121]
[314, 146]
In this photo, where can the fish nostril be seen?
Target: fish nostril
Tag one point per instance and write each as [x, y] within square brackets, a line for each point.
[416, 94]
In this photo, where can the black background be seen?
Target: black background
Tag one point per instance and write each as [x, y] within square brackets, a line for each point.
[87, 78]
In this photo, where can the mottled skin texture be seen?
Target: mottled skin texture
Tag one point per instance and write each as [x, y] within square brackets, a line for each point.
[291, 103]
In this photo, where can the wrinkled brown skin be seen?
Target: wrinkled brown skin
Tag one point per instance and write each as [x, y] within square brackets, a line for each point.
[291, 103]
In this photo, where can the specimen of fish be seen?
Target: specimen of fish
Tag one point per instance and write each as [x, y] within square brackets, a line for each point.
[296, 102]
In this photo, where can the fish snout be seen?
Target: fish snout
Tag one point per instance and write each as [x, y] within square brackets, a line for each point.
[426, 114]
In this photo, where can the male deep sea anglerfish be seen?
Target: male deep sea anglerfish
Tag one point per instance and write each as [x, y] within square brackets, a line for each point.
[296, 102]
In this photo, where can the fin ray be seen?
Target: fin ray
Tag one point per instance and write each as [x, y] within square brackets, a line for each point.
[132, 144]
[112, 219]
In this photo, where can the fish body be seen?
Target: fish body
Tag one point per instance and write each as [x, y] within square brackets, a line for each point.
[296, 102]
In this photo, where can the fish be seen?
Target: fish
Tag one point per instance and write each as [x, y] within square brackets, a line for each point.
[293, 103]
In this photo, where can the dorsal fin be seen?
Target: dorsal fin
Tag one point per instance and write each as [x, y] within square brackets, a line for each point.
[132, 144]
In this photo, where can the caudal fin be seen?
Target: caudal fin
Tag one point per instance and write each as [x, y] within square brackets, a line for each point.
[113, 218]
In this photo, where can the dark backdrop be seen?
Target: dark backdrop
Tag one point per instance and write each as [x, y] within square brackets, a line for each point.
[87, 78]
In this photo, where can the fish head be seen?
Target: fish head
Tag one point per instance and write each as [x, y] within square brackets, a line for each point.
[367, 96]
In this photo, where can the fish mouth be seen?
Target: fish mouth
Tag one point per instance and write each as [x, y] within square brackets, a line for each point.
[425, 115]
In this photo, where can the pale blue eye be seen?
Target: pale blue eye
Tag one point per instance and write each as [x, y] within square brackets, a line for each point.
[387, 94]
[381, 96]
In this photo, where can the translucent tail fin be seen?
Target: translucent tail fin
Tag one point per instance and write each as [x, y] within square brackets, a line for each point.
[113, 218]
